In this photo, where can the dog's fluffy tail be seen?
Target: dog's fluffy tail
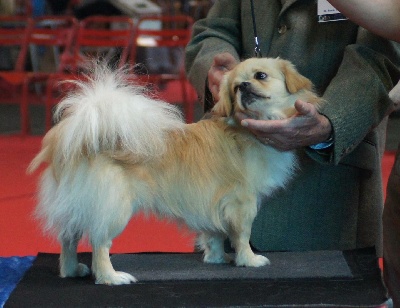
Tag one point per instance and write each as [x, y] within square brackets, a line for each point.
[107, 113]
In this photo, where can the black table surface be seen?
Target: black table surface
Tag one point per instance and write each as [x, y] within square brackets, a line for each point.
[42, 287]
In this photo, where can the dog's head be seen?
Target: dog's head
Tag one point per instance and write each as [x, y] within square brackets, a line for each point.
[263, 89]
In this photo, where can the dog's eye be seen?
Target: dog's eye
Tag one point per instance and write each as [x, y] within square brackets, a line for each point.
[260, 75]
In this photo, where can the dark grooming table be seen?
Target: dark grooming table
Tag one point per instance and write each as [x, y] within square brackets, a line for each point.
[318, 279]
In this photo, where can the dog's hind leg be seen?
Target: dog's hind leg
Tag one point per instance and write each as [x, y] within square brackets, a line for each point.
[213, 246]
[101, 243]
[69, 265]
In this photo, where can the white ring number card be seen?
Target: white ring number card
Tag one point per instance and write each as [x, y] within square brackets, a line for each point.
[327, 12]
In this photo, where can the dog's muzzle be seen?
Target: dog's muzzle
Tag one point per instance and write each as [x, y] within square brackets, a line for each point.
[247, 96]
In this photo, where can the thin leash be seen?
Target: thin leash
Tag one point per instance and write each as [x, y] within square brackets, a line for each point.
[257, 50]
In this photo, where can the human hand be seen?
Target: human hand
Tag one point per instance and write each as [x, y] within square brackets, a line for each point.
[222, 63]
[305, 128]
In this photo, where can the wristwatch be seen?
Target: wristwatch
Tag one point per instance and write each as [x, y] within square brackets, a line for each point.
[323, 145]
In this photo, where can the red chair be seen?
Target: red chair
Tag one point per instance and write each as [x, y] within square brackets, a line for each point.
[49, 40]
[99, 38]
[14, 32]
[165, 35]
[102, 38]
[23, 8]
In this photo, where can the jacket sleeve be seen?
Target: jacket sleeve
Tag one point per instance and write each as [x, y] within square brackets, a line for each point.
[357, 97]
[219, 32]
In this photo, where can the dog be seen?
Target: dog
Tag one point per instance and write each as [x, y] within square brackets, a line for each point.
[116, 151]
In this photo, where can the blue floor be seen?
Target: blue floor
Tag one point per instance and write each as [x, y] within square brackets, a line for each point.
[11, 271]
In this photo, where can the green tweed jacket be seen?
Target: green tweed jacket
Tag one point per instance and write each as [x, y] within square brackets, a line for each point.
[335, 201]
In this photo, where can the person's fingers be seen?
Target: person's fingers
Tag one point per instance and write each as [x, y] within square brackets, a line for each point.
[224, 61]
[304, 108]
[268, 127]
[214, 89]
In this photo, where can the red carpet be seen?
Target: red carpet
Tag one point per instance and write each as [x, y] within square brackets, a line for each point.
[20, 234]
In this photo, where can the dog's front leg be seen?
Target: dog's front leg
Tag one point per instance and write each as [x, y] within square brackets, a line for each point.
[213, 246]
[240, 230]
[103, 269]
[244, 254]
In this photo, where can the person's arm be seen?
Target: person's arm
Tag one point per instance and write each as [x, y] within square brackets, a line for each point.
[379, 16]
[306, 128]
[356, 101]
[217, 34]
[222, 63]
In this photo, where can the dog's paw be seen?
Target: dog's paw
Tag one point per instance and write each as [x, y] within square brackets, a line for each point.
[253, 261]
[217, 259]
[81, 270]
[116, 278]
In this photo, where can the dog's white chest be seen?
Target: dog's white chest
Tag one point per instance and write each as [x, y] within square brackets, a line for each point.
[272, 170]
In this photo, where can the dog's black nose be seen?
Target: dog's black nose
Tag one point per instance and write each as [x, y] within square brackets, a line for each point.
[247, 97]
[244, 86]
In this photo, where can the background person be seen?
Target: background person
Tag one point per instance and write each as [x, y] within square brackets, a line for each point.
[383, 18]
[379, 16]
[335, 201]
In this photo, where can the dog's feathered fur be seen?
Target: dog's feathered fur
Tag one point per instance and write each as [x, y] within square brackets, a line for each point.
[116, 151]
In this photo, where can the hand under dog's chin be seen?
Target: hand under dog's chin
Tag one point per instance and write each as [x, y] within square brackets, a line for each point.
[247, 113]
[251, 114]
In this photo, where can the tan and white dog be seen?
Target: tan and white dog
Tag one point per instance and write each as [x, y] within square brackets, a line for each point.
[116, 152]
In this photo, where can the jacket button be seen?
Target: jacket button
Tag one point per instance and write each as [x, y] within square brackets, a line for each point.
[282, 29]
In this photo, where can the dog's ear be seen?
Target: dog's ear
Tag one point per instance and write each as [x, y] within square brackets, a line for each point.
[224, 107]
[294, 80]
